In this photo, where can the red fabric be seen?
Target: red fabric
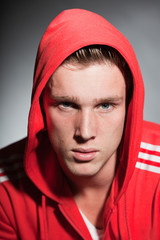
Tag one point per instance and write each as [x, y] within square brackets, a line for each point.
[38, 204]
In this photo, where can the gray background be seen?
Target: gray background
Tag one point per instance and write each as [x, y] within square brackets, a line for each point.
[22, 26]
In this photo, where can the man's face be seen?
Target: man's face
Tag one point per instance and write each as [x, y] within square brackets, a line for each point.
[85, 114]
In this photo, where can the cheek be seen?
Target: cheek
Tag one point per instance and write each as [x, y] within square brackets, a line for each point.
[119, 125]
[112, 126]
[59, 129]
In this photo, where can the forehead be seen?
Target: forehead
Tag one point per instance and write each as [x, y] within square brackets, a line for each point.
[86, 82]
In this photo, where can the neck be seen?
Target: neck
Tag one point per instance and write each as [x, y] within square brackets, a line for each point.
[91, 192]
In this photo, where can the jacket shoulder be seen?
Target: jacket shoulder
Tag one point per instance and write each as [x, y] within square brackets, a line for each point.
[11, 161]
[149, 154]
[14, 148]
[151, 133]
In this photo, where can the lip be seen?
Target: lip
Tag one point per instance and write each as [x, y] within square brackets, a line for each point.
[84, 154]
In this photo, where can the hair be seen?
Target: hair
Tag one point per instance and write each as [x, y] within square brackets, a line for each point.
[102, 54]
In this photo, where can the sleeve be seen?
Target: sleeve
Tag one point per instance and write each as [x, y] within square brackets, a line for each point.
[10, 157]
[7, 232]
[7, 217]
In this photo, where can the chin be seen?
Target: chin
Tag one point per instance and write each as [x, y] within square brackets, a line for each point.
[82, 171]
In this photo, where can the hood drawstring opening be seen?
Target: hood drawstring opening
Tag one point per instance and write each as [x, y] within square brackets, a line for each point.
[128, 230]
[43, 220]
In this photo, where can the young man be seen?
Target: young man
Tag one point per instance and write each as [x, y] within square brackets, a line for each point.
[91, 164]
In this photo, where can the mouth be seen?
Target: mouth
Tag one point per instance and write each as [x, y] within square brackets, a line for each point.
[83, 155]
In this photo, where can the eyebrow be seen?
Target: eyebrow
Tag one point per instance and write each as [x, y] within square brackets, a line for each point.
[75, 100]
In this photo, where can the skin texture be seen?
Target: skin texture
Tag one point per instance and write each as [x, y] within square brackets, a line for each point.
[85, 112]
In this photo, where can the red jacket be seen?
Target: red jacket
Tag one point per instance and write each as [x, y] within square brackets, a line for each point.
[35, 199]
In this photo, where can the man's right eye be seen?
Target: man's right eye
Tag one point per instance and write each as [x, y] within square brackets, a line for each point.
[66, 106]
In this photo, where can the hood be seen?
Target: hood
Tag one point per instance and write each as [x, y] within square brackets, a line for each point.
[68, 32]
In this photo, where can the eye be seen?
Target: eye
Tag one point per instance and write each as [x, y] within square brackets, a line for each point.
[66, 106]
[105, 106]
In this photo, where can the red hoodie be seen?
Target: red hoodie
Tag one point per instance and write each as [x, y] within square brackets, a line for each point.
[35, 199]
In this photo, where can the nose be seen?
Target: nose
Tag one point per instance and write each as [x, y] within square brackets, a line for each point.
[85, 125]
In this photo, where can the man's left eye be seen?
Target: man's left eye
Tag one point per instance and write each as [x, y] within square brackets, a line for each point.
[105, 105]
